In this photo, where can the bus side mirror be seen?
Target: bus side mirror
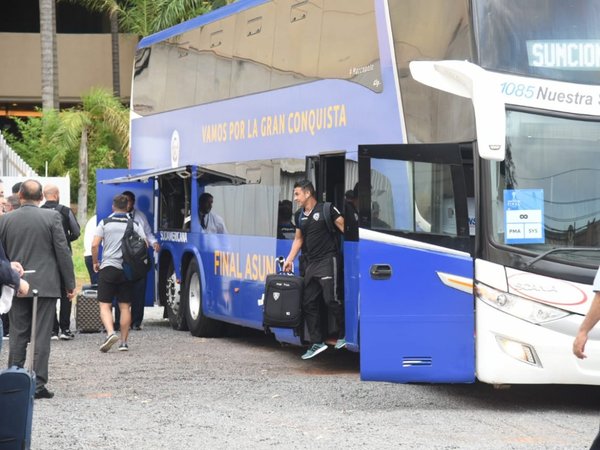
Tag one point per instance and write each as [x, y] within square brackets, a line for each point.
[470, 81]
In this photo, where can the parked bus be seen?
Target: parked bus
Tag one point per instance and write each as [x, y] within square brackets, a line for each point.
[471, 130]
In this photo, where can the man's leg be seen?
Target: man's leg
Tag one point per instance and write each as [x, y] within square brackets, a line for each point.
[55, 324]
[138, 302]
[65, 314]
[46, 312]
[107, 287]
[107, 317]
[334, 304]
[311, 312]
[20, 331]
[125, 320]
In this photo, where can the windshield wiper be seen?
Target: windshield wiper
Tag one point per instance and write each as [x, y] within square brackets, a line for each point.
[559, 250]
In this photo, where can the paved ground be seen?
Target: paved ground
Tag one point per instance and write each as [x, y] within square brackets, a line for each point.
[173, 391]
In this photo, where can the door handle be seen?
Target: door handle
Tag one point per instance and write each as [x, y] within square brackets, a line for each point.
[381, 271]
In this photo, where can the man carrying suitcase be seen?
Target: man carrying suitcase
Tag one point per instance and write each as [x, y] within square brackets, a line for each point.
[320, 251]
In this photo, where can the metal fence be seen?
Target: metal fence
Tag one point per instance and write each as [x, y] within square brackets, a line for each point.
[12, 165]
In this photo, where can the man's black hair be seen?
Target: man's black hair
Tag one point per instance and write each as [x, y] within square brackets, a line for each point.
[204, 196]
[16, 187]
[305, 185]
[130, 195]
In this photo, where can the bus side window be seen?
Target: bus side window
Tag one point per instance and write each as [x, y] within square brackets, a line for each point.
[413, 197]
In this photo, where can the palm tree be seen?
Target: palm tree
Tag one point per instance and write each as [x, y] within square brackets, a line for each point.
[49, 55]
[102, 120]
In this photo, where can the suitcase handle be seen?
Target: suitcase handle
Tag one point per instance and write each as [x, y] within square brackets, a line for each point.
[31, 352]
[280, 263]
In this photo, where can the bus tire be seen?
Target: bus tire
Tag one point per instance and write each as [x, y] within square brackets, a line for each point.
[172, 299]
[198, 324]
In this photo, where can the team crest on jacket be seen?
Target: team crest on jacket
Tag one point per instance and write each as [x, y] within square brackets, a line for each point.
[316, 216]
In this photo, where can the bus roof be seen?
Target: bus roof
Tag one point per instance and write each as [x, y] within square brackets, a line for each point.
[212, 16]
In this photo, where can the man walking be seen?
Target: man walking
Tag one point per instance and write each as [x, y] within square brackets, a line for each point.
[111, 277]
[320, 250]
[139, 287]
[72, 232]
[35, 237]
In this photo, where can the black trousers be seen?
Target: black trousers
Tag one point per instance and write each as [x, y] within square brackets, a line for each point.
[63, 321]
[321, 285]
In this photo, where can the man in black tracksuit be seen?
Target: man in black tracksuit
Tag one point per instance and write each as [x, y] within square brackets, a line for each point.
[320, 251]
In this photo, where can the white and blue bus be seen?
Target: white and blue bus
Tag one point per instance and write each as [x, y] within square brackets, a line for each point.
[471, 129]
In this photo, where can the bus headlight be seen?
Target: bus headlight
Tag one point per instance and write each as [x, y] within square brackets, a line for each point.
[517, 306]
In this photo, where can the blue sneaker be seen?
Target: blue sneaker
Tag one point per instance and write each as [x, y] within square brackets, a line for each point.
[314, 350]
[341, 343]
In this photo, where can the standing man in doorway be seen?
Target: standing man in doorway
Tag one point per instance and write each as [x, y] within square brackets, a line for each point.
[72, 232]
[139, 287]
[321, 252]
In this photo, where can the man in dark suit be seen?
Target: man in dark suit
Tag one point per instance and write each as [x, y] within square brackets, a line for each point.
[35, 237]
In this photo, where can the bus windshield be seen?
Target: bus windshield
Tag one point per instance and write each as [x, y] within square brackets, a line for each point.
[552, 172]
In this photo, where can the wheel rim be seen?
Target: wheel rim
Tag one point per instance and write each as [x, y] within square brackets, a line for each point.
[194, 297]
[173, 291]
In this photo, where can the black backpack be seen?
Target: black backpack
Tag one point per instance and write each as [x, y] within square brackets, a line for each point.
[136, 262]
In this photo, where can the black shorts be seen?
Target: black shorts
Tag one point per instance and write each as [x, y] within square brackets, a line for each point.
[112, 283]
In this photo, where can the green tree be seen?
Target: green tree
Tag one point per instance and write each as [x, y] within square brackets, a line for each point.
[98, 130]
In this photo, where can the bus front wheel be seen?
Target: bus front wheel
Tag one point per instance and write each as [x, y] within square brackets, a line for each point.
[172, 300]
[198, 324]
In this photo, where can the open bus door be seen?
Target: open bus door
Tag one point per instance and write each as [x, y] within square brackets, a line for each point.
[415, 263]
[110, 182]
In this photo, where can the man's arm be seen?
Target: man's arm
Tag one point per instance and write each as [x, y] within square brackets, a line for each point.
[296, 246]
[95, 250]
[74, 228]
[591, 318]
[143, 221]
[339, 223]
[63, 256]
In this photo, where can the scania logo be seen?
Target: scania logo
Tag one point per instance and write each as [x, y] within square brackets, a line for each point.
[546, 290]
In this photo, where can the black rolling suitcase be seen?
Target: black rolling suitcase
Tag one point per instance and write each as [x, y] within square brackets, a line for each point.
[283, 300]
[17, 391]
[87, 310]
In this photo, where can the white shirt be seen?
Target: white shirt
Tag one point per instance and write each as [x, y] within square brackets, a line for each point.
[213, 223]
[88, 235]
[141, 219]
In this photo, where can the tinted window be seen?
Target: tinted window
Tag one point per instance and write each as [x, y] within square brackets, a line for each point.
[270, 46]
[253, 208]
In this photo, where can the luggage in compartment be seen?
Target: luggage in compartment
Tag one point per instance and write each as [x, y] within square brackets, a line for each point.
[282, 301]
[87, 311]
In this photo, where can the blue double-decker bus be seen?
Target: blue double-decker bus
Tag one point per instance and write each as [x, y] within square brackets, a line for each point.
[470, 129]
